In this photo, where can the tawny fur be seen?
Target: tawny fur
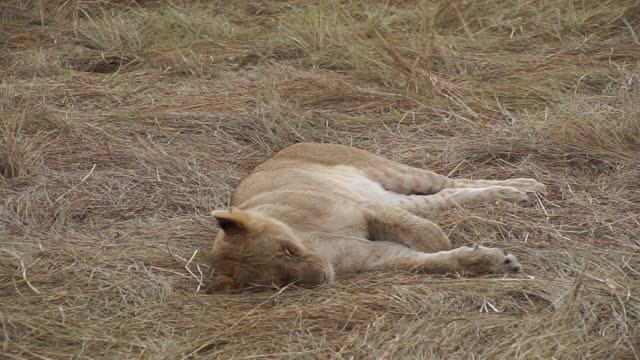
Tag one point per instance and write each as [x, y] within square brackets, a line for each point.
[315, 210]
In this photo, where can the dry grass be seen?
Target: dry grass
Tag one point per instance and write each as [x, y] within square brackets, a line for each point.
[125, 122]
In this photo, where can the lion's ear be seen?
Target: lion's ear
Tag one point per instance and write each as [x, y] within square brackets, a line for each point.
[233, 221]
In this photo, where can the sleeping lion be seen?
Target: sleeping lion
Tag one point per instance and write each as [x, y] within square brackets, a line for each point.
[316, 210]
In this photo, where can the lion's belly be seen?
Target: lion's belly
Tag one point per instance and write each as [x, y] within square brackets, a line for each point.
[352, 183]
[345, 182]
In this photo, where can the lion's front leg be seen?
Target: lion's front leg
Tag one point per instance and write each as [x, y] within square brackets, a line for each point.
[466, 259]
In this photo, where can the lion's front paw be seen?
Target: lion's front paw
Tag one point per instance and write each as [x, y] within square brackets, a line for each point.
[483, 260]
[527, 185]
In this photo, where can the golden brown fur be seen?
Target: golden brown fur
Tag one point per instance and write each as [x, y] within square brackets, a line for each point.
[315, 210]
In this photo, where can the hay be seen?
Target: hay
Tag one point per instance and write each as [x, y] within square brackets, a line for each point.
[123, 123]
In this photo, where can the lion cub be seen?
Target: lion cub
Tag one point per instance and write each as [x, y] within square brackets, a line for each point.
[316, 210]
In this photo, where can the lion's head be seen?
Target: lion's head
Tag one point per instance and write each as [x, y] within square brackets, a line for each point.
[255, 249]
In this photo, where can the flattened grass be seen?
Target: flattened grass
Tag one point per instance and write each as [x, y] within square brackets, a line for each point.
[123, 123]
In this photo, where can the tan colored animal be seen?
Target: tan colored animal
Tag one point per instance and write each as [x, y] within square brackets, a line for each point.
[315, 210]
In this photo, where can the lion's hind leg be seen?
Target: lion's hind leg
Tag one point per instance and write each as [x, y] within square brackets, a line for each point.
[447, 198]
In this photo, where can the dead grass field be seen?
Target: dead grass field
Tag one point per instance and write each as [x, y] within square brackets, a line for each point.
[123, 123]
